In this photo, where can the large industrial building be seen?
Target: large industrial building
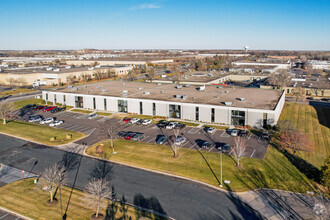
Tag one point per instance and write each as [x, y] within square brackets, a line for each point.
[209, 104]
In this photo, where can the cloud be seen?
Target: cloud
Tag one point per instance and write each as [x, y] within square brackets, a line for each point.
[146, 6]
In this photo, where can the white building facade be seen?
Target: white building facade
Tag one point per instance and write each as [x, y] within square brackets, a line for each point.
[217, 114]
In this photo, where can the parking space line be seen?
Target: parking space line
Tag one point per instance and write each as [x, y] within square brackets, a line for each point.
[182, 145]
[4, 216]
[192, 146]
[211, 149]
[224, 132]
[253, 152]
[249, 136]
[151, 140]
[90, 131]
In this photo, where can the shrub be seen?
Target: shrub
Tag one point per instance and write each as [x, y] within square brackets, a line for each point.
[43, 102]
[49, 103]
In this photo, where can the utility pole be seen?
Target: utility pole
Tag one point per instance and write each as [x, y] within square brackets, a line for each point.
[220, 167]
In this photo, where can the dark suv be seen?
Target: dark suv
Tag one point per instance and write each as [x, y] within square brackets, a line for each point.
[162, 124]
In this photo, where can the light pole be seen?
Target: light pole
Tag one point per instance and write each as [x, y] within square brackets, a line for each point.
[220, 167]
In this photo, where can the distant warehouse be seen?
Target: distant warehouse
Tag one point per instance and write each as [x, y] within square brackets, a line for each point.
[209, 104]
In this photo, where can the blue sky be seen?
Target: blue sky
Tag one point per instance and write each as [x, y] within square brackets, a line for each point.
[165, 24]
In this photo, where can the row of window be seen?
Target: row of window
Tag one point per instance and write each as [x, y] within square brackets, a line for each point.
[237, 117]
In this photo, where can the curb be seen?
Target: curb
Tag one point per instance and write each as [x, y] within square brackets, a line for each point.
[15, 213]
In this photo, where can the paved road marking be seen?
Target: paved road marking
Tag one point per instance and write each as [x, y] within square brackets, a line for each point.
[91, 131]
[249, 136]
[151, 140]
[4, 216]
[193, 146]
[144, 138]
[211, 149]
[253, 152]
[224, 134]
[193, 131]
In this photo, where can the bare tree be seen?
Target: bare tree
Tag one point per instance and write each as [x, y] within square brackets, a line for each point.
[294, 140]
[20, 81]
[85, 76]
[52, 177]
[96, 190]
[98, 75]
[110, 129]
[239, 149]
[299, 94]
[280, 79]
[174, 144]
[5, 109]
[11, 82]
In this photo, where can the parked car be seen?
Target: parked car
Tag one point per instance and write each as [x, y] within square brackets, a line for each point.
[38, 107]
[180, 125]
[171, 125]
[56, 123]
[49, 108]
[234, 132]
[162, 140]
[35, 119]
[265, 135]
[210, 130]
[138, 137]
[162, 124]
[47, 120]
[92, 116]
[129, 135]
[133, 120]
[146, 121]
[139, 122]
[29, 106]
[225, 148]
[62, 108]
[178, 140]
[126, 120]
[122, 134]
[205, 145]
[243, 133]
[54, 110]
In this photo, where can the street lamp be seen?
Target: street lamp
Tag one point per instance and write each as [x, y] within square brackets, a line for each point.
[220, 166]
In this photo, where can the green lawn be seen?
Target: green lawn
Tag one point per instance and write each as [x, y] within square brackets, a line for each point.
[38, 133]
[307, 119]
[20, 104]
[82, 111]
[16, 92]
[104, 113]
[275, 171]
[219, 127]
[28, 199]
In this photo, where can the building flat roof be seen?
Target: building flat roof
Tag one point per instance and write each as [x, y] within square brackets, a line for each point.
[253, 98]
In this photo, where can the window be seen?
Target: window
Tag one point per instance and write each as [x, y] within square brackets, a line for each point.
[141, 109]
[64, 100]
[46, 97]
[154, 109]
[122, 106]
[54, 99]
[79, 103]
[175, 111]
[197, 114]
[94, 103]
[212, 114]
[238, 117]
[265, 121]
[105, 104]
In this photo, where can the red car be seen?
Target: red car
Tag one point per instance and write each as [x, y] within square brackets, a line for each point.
[38, 107]
[126, 120]
[47, 109]
[129, 136]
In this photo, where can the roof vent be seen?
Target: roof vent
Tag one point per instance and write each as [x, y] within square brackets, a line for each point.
[202, 88]
[178, 96]
[241, 99]
[146, 93]
[228, 103]
[140, 88]
[104, 90]
[125, 91]
[187, 85]
[178, 86]
[184, 97]
[158, 84]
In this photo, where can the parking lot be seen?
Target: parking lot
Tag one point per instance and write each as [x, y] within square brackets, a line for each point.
[255, 146]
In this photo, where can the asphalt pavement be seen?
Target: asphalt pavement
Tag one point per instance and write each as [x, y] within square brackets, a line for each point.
[174, 197]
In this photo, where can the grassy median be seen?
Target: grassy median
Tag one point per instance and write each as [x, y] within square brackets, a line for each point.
[82, 111]
[315, 123]
[22, 103]
[39, 133]
[28, 199]
[274, 171]
[16, 92]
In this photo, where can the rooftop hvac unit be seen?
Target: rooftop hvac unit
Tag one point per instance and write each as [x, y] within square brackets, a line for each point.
[178, 87]
[74, 89]
[177, 96]
[49, 68]
[56, 70]
[125, 91]
[104, 90]
[140, 88]
[96, 87]
[146, 93]
[226, 91]
[219, 87]
[228, 103]
[241, 99]
[202, 88]
[184, 97]
[69, 86]
[187, 85]
[90, 68]
[124, 94]
[158, 84]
